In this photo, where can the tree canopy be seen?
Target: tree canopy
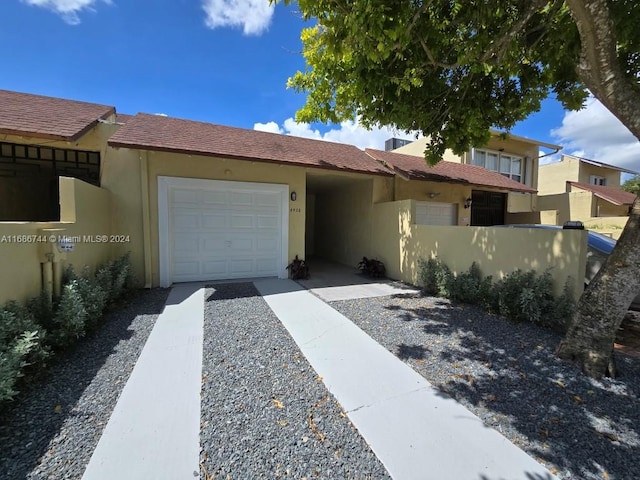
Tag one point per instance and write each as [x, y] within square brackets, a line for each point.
[632, 185]
[451, 69]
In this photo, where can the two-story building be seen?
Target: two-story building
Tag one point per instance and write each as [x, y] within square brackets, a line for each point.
[511, 157]
[586, 190]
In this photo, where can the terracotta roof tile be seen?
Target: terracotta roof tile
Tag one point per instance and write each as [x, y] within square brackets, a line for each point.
[416, 168]
[38, 116]
[123, 117]
[155, 132]
[614, 195]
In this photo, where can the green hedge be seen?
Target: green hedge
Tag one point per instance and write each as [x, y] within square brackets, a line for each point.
[519, 296]
[30, 334]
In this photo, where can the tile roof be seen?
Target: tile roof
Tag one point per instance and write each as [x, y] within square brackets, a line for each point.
[605, 165]
[155, 132]
[614, 195]
[123, 117]
[416, 168]
[56, 118]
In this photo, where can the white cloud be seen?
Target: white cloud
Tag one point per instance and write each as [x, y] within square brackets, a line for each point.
[254, 16]
[594, 133]
[349, 132]
[68, 9]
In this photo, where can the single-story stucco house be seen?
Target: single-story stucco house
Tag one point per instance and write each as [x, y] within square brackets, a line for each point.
[195, 201]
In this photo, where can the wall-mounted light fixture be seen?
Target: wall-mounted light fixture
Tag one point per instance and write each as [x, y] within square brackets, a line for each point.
[467, 202]
[294, 196]
[434, 194]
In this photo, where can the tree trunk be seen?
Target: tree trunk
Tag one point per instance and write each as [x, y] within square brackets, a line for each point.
[599, 67]
[603, 305]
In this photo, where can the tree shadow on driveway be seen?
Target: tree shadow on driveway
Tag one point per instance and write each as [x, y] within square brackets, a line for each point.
[508, 375]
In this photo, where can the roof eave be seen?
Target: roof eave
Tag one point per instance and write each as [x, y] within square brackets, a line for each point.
[527, 140]
[116, 144]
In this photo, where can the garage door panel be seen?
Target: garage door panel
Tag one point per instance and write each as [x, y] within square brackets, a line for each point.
[214, 220]
[222, 229]
[210, 197]
[436, 213]
[266, 200]
[241, 199]
[242, 221]
[186, 243]
[268, 222]
[241, 267]
[214, 267]
[186, 268]
[266, 266]
[213, 245]
[186, 196]
[242, 245]
[266, 244]
[185, 219]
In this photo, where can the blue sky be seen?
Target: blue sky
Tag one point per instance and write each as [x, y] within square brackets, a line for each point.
[220, 61]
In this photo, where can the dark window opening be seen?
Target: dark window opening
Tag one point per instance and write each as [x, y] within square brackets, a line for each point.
[29, 179]
[487, 208]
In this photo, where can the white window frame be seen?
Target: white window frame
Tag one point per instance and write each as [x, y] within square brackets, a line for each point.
[506, 164]
[598, 180]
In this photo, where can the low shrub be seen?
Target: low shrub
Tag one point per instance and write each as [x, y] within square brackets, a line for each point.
[28, 334]
[427, 278]
[372, 267]
[298, 269]
[20, 346]
[519, 296]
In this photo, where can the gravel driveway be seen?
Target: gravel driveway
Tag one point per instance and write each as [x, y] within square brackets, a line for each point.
[507, 374]
[265, 413]
[52, 428]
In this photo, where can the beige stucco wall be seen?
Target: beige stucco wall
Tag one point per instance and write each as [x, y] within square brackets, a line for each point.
[553, 177]
[612, 175]
[131, 176]
[86, 214]
[521, 202]
[418, 147]
[443, 192]
[581, 205]
[557, 203]
[497, 251]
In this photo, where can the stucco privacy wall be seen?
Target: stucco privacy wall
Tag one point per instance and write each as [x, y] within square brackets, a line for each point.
[85, 212]
[132, 176]
[497, 251]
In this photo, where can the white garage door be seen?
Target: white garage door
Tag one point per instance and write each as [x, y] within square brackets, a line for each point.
[211, 230]
[436, 213]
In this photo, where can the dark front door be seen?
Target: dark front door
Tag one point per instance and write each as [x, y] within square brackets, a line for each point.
[487, 208]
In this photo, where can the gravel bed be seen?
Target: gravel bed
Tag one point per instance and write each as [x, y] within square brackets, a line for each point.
[507, 374]
[52, 428]
[265, 412]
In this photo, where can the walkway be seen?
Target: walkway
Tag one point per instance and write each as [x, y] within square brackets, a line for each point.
[154, 430]
[415, 430]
